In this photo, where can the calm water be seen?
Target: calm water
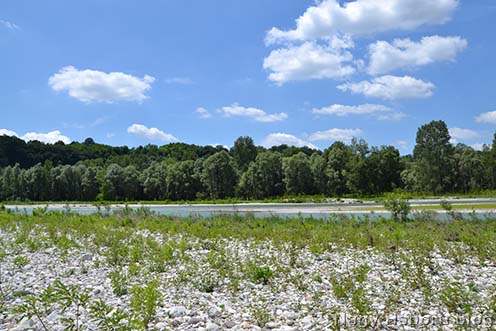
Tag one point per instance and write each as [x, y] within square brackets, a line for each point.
[319, 211]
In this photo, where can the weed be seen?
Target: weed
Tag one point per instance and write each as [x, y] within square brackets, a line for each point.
[144, 304]
[260, 274]
[119, 282]
[20, 261]
[261, 316]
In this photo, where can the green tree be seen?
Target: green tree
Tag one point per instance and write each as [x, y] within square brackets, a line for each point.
[113, 183]
[89, 183]
[264, 177]
[337, 161]
[298, 177]
[153, 179]
[182, 183]
[433, 154]
[219, 175]
[244, 152]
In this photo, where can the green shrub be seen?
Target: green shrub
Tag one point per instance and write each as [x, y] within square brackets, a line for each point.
[399, 208]
[144, 304]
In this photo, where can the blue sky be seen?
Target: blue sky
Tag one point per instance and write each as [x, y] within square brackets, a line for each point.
[206, 72]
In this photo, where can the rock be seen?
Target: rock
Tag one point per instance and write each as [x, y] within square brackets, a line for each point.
[287, 328]
[177, 311]
[26, 324]
[229, 324]
[161, 326]
[54, 315]
[98, 290]
[194, 320]
[214, 312]
[271, 325]
[87, 257]
[212, 327]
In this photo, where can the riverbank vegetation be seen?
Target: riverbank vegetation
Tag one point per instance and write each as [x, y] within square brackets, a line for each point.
[178, 172]
[135, 270]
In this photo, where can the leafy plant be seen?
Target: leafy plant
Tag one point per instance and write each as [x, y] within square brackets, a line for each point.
[20, 261]
[71, 297]
[37, 306]
[109, 318]
[144, 304]
[399, 208]
[119, 282]
[261, 316]
[260, 274]
[455, 296]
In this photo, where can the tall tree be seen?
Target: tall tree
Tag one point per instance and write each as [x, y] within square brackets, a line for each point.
[264, 177]
[433, 154]
[182, 183]
[220, 175]
[298, 176]
[244, 152]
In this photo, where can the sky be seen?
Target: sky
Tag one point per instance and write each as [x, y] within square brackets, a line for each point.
[132, 72]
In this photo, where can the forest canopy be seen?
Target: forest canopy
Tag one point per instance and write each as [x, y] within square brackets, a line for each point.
[89, 171]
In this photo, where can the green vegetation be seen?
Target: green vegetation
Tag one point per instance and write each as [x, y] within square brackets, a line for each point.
[148, 261]
[88, 171]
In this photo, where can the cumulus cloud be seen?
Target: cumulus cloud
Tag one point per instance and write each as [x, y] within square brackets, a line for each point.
[391, 88]
[378, 111]
[364, 17]
[277, 139]
[254, 113]
[151, 133]
[203, 113]
[344, 135]
[310, 61]
[489, 117]
[478, 146]
[48, 138]
[459, 133]
[97, 86]
[405, 53]
[401, 144]
[6, 132]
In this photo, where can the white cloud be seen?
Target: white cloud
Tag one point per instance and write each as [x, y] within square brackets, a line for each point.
[478, 146]
[379, 111]
[310, 61]
[489, 117]
[364, 17]
[9, 25]
[404, 53]
[6, 132]
[97, 86]
[257, 114]
[50, 137]
[458, 133]
[344, 135]
[151, 133]
[401, 144]
[180, 81]
[276, 139]
[203, 113]
[391, 88]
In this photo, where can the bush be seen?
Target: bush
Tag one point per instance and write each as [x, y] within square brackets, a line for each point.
[399, 208]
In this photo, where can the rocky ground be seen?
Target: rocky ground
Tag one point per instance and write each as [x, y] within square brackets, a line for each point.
[150, 280]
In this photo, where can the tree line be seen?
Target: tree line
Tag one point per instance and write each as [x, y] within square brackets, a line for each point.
[88, 171]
